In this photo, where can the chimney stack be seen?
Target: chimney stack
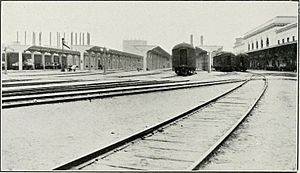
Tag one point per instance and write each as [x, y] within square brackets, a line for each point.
[192, 40]
[40, 38]
[201, 40]
[88, 41]
[33, 38]
[25, 39]
[71, 38]
[79, 38]
[83, 38]
[76, 38]
[50, 39]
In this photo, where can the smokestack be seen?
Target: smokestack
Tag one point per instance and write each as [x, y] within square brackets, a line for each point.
[201, 40]
[80, 38]
[40, 38]
[25, 38]
[50, 39]
[33, 38]
[192, 40]
[58, 39]
[71, 38]
[76, 38]
[83, 38]
[88, 38]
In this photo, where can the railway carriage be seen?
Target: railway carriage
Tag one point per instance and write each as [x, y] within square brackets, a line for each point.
[224, 61]
[184, 59]
[242, 62]
[227, 61]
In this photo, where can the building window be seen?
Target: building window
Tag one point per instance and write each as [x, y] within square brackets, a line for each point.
[261, 43]
[293, 38]
[288, 39]
[252, 45]
[256, 44]
[267, 42]
[283, 40]
[278, 41]
[248, 46]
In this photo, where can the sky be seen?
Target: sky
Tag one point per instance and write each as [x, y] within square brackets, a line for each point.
[164, 23]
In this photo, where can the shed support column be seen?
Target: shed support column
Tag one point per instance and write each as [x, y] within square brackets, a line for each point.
[81, 59]
[145, 62]
[104, 63]
[119, 62]
[32, 59]
[20, 61]
[52, 58]
[43, 60]
[52, 61]
[60, 61]
[96, 62]
[209, 62]
[90, 61]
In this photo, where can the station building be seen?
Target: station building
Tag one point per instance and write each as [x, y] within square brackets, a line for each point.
[272, 45]
[154, 57]
[23, 56]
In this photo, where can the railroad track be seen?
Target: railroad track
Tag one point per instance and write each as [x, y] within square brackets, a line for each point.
[77, 87]
[59, 95]
[33, 83]
[183, 142]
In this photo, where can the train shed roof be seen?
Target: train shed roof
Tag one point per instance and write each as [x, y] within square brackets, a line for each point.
[112, 51]
[51, 50]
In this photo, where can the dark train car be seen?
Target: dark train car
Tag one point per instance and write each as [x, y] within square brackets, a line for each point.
[242, 62]
[184, 59]
[224, 61]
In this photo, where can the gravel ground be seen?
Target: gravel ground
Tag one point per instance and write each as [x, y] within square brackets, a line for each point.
[267, 139]
[45, 136]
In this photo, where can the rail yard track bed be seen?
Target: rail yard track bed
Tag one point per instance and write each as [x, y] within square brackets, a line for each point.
[19, 98]
[179, 144]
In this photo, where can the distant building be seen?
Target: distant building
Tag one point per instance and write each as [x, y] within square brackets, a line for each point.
[279, 30]
[212, 50]
[26, 55]
[272, 45]
[155, 57]
[202, 59]
[239, 46]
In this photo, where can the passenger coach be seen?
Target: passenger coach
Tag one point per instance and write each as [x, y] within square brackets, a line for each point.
[184, 59]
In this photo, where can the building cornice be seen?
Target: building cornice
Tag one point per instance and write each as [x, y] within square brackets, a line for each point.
[287, 27]
[277, 45]
[270, 26]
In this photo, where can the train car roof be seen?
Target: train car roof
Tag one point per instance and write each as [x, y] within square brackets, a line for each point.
[185, 45]
[224, 53]
[242, 55]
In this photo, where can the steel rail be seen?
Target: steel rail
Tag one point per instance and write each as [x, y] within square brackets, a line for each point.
[104, 93]
[203, 158]
[91, 86]
[65, 88]
[141, 134]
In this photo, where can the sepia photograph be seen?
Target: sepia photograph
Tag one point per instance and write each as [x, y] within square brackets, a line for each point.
[150, 86]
